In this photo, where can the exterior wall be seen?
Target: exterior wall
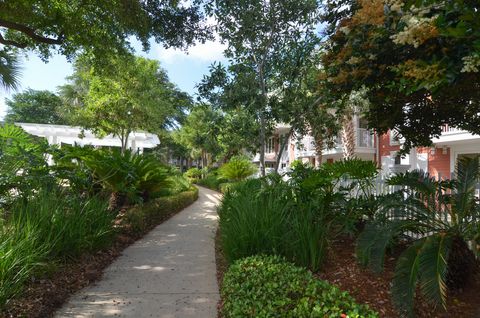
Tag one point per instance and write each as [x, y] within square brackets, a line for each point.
[385, 148]
[439, 163]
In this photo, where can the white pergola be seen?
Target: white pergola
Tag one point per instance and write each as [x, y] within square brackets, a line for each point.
[60, 134]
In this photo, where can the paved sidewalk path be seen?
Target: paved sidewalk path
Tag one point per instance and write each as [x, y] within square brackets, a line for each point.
[169, 273]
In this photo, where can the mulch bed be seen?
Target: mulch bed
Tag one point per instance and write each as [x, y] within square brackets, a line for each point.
[222, 266]
[43, 296]
[373, 289]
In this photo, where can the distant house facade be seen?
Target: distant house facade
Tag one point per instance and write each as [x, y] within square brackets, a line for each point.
[439, 160]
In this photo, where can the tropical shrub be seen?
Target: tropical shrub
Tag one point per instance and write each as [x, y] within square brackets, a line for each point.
[441, 218]
[23, 164]
[238, 168]
[263, 216]
[193, 173]
[123, 176]
[268, 286]
[212, 181]
[177, 183]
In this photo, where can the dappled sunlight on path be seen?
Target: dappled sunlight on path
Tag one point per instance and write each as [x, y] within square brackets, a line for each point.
[169, 273]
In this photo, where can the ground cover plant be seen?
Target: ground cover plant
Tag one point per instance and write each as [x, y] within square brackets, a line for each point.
[269, 286]
[441, 216]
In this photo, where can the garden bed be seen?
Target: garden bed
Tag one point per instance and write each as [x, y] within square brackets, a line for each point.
[373, 289]
[43, 295]
[366, 287]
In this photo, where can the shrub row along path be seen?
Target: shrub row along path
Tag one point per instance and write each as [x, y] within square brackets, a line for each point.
[169, 273]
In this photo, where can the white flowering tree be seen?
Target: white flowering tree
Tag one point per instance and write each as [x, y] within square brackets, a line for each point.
[420, 61]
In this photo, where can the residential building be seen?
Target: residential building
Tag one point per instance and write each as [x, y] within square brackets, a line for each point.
[439, 160]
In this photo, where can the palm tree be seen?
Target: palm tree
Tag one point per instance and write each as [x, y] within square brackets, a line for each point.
[9, 70]
[442, 217]
[348, 135]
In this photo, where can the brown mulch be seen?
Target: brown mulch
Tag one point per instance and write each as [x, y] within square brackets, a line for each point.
[222, 266]
[373, 289]
[43, 296]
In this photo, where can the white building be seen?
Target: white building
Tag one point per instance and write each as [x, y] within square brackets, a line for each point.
[69, 135]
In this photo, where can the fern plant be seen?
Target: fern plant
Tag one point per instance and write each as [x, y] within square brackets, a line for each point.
[440, 218]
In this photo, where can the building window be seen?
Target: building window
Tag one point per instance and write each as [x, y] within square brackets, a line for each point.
[394, 138]
[270, 145]
[398, 160]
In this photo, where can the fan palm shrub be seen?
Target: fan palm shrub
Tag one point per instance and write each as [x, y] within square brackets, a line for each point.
[238, 168]
[440, 218]
[127, 176]
[23, 164]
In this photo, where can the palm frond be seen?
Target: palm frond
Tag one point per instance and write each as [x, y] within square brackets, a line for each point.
[10, 70]
[433, 268]
[374, 240]
[467, 172]
[406, 276]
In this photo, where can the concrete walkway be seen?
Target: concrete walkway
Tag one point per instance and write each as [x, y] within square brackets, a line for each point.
[169, 273]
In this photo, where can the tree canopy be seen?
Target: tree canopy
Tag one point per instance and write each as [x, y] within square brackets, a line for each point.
[419, 60]
[268, 42]
[214, 135]
[70, 26]
[134, 94]
[32, 106]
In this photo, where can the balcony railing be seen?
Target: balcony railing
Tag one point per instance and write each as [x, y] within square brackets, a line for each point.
[364, 138]
[446, 129]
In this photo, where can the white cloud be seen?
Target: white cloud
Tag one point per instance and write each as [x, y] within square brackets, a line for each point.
[207, 52]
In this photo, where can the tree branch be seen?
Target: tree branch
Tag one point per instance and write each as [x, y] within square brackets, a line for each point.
[28, 32]
[13, 43]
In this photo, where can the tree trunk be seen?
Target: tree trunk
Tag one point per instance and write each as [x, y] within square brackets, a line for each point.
[282, 148]
[318, 138]
[348, 137]
[262, 144]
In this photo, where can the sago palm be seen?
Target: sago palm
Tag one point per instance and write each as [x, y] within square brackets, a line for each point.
[436, 219]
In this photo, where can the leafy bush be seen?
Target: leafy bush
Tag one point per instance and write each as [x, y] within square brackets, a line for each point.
[193, 173]
[142, 217]
[238, 168]
[268, 286]
[443, 217]
[212, 181]
[177, 184]
[263, 216]
[23, 165]
[129, 175]
[45, 229]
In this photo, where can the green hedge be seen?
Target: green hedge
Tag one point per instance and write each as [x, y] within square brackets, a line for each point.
[268, 286]
[142, 217]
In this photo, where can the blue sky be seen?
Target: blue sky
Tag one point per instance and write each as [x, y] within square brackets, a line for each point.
[184, 69]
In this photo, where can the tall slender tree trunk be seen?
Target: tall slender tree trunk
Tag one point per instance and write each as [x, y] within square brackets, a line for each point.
[264, 102]
[262, 144]
[282, 148]
[318, 139]
[348, 136]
